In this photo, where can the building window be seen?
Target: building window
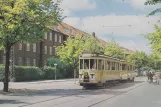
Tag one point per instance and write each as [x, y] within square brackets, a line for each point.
[27, 61]
[20, 46]
[60, 39]
[55, 37]
[50, 36]
[28, 47]
[45, 62]
[46, 49]
[34, 47]
[54, 51]
[4, 60]
[34, 62]
[50, 50]
[4, 51]
[46, 35]
[19, 61]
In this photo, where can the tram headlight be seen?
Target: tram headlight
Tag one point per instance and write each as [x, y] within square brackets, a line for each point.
[92, 76]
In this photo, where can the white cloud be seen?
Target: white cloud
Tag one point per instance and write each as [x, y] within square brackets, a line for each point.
[139, 4]
[133, 45]
[129, 25]
[73, 21]
[72, 6]
[119, 26]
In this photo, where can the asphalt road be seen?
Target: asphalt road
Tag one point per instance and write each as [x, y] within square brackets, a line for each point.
[66, 93]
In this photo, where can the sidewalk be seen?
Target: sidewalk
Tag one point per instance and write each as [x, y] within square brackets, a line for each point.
[47, 81]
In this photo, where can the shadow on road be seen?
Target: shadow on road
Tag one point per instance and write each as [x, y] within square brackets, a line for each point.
[10, 102]
[66, 92]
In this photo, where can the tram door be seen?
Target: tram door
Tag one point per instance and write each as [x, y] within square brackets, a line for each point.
[101, 69]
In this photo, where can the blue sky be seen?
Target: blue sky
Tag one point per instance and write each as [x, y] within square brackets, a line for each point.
[121, 20]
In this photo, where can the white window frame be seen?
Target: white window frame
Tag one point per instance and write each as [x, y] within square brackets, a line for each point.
[27, 47]
[20, 61]
[46, 35]
[45, 50]
[51, 50]
[34, 47]
[20, 46]
[56, 37]
[50, 36]
[60, 38]
[54, 50]
[34, 62]
[28, 61]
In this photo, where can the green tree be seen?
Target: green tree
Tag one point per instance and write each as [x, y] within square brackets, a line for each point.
[140, 59]
[153, 2]
[92, 45]
[62, 67]
[154, 61]
[70, 51]
[155, 39]
[113, 49]
[25, 21]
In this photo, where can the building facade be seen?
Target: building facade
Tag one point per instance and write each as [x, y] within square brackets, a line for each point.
[35, 54]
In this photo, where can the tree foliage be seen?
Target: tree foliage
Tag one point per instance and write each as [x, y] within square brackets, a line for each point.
[25, 21]
[155, 39]
[140, 59]
[113, 49]
[70, 51]
[153, 2]
[92, 45]
[154, 61]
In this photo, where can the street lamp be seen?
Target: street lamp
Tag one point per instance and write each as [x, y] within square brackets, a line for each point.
[55, 70]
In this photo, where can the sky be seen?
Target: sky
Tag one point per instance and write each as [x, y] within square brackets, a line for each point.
[124, 21]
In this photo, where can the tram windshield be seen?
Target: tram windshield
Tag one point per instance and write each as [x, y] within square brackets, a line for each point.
[88, 64]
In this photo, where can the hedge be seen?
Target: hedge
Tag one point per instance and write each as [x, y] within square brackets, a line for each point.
[1, 71]
[49, 73]
[28, 73]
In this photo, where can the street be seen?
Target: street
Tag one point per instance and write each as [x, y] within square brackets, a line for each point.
[67, 93]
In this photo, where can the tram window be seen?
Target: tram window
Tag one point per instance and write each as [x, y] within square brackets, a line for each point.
[86, 63]
[93, 64]
[123, 67]
[108, 65]
[120, 67]
[113, 65]
[130, 67]
[100, 64]
[81, 63]
[117, 66]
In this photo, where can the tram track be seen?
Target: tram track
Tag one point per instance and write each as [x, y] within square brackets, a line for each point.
[81, 91]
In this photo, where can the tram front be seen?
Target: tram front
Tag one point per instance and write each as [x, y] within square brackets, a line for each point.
[88, 73]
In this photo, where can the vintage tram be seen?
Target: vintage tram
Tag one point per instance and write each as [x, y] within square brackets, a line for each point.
[99, 70]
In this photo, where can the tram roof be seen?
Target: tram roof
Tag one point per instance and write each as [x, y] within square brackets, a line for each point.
[86, 54]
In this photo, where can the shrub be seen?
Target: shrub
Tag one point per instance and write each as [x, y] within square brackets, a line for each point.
[63, 70]
[26, 73]
[49, 73]
[1, 71]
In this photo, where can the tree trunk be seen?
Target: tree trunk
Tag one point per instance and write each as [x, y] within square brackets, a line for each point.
[41, 55]
[8, 49]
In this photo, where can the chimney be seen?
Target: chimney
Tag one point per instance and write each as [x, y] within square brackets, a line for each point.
[93, 34]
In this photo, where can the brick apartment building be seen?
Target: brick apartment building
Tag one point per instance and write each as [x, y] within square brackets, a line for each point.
[37, 54]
